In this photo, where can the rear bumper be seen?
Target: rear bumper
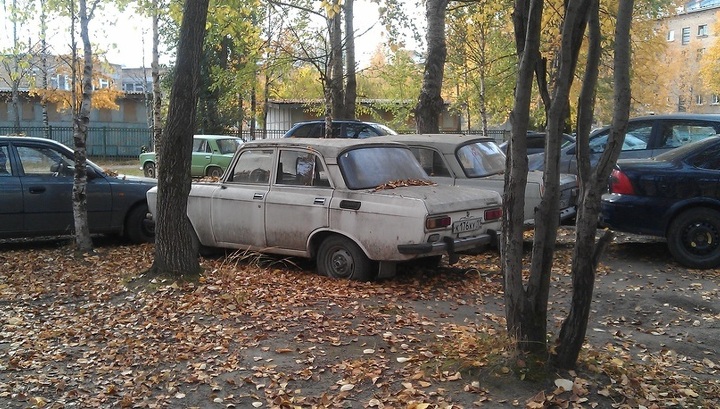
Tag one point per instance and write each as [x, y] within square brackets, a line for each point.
[451, 246]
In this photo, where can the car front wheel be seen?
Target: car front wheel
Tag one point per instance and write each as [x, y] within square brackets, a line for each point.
[694, 238]
[340, 257]
[149, 170]
[137, 227]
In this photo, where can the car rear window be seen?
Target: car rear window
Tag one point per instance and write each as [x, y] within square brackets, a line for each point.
[369, 167]
[481, 159]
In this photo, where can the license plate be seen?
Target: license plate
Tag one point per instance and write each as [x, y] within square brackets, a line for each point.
[464, 226]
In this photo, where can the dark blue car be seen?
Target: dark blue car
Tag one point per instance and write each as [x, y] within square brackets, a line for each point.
[36, 182]
[676, 195]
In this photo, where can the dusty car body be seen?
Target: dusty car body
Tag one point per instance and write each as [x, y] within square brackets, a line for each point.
[462, 160]
[36, 183]
[211, 155]
[352, 205]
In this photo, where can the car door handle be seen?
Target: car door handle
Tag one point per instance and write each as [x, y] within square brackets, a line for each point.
[36, 189]
[319, 201]
[258, 196]
[207, 156]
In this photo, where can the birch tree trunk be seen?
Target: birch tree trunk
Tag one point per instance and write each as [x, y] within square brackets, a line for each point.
[80, 130]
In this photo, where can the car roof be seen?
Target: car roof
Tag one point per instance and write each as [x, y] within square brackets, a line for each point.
[446, 143]
[29, 138]
[335, 121]
[330, 148]
[216, 136]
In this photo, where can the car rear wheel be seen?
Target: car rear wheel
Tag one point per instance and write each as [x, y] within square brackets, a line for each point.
[340, 257]
[137, 228]
[149, 170]
[214, 172]
[694, 238]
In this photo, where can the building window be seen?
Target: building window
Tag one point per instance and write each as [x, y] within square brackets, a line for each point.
[685, 35]
[698, 99]
[715, 99]
[671, 35]
[702, 30]
[60, 81]
[103, 83]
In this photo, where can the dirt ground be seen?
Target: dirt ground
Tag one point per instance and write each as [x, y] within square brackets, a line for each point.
[266, 332]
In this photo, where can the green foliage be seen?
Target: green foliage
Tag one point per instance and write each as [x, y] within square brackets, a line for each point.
[480, 70]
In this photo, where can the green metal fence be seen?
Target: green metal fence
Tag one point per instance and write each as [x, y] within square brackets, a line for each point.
[102, 142]
[106, 142]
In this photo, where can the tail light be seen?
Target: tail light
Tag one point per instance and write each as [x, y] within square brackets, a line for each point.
[620, 183]
[493, 214]
[437, 222]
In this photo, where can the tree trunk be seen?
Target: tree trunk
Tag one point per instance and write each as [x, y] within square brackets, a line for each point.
[518, 311]
[351, 82]
[80, 129]
[174, 252]
[430, 102]
[157, 94]
[574, 328]
[336, 67]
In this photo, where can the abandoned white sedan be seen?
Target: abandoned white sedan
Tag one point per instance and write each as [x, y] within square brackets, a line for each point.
[357, 207]
[462, 160]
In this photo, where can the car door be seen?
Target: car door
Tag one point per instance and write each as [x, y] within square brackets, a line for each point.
[237, 210]
[298, 202]
[201, 156]
[47, 177]
[11, 193]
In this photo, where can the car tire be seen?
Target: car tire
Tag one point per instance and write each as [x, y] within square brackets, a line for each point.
[340, 257]
[694, 238]
[214, 172]
[149, 170]
[136, 228]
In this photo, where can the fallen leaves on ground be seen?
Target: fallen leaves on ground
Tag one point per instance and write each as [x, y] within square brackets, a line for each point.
[269, 332]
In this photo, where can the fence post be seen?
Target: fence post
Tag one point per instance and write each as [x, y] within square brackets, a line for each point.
[104, 142]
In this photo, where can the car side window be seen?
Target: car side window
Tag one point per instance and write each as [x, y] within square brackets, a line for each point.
[636, 138]
[42, 161]
[536, 143]
[707, 159]
[431, 161]
[679, 133]
[198, 145]
[253, 166]
[4, 163]
[300, 168]
[304, 131]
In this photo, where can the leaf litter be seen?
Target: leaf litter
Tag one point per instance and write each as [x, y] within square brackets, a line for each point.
[272, 333]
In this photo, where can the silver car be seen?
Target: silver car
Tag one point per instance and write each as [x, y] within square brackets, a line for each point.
[358, 207]
[462, 160]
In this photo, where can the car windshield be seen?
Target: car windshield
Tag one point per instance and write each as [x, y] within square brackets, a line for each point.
[228, 146]
[372, 166]
[384, 130]
[481, 159]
